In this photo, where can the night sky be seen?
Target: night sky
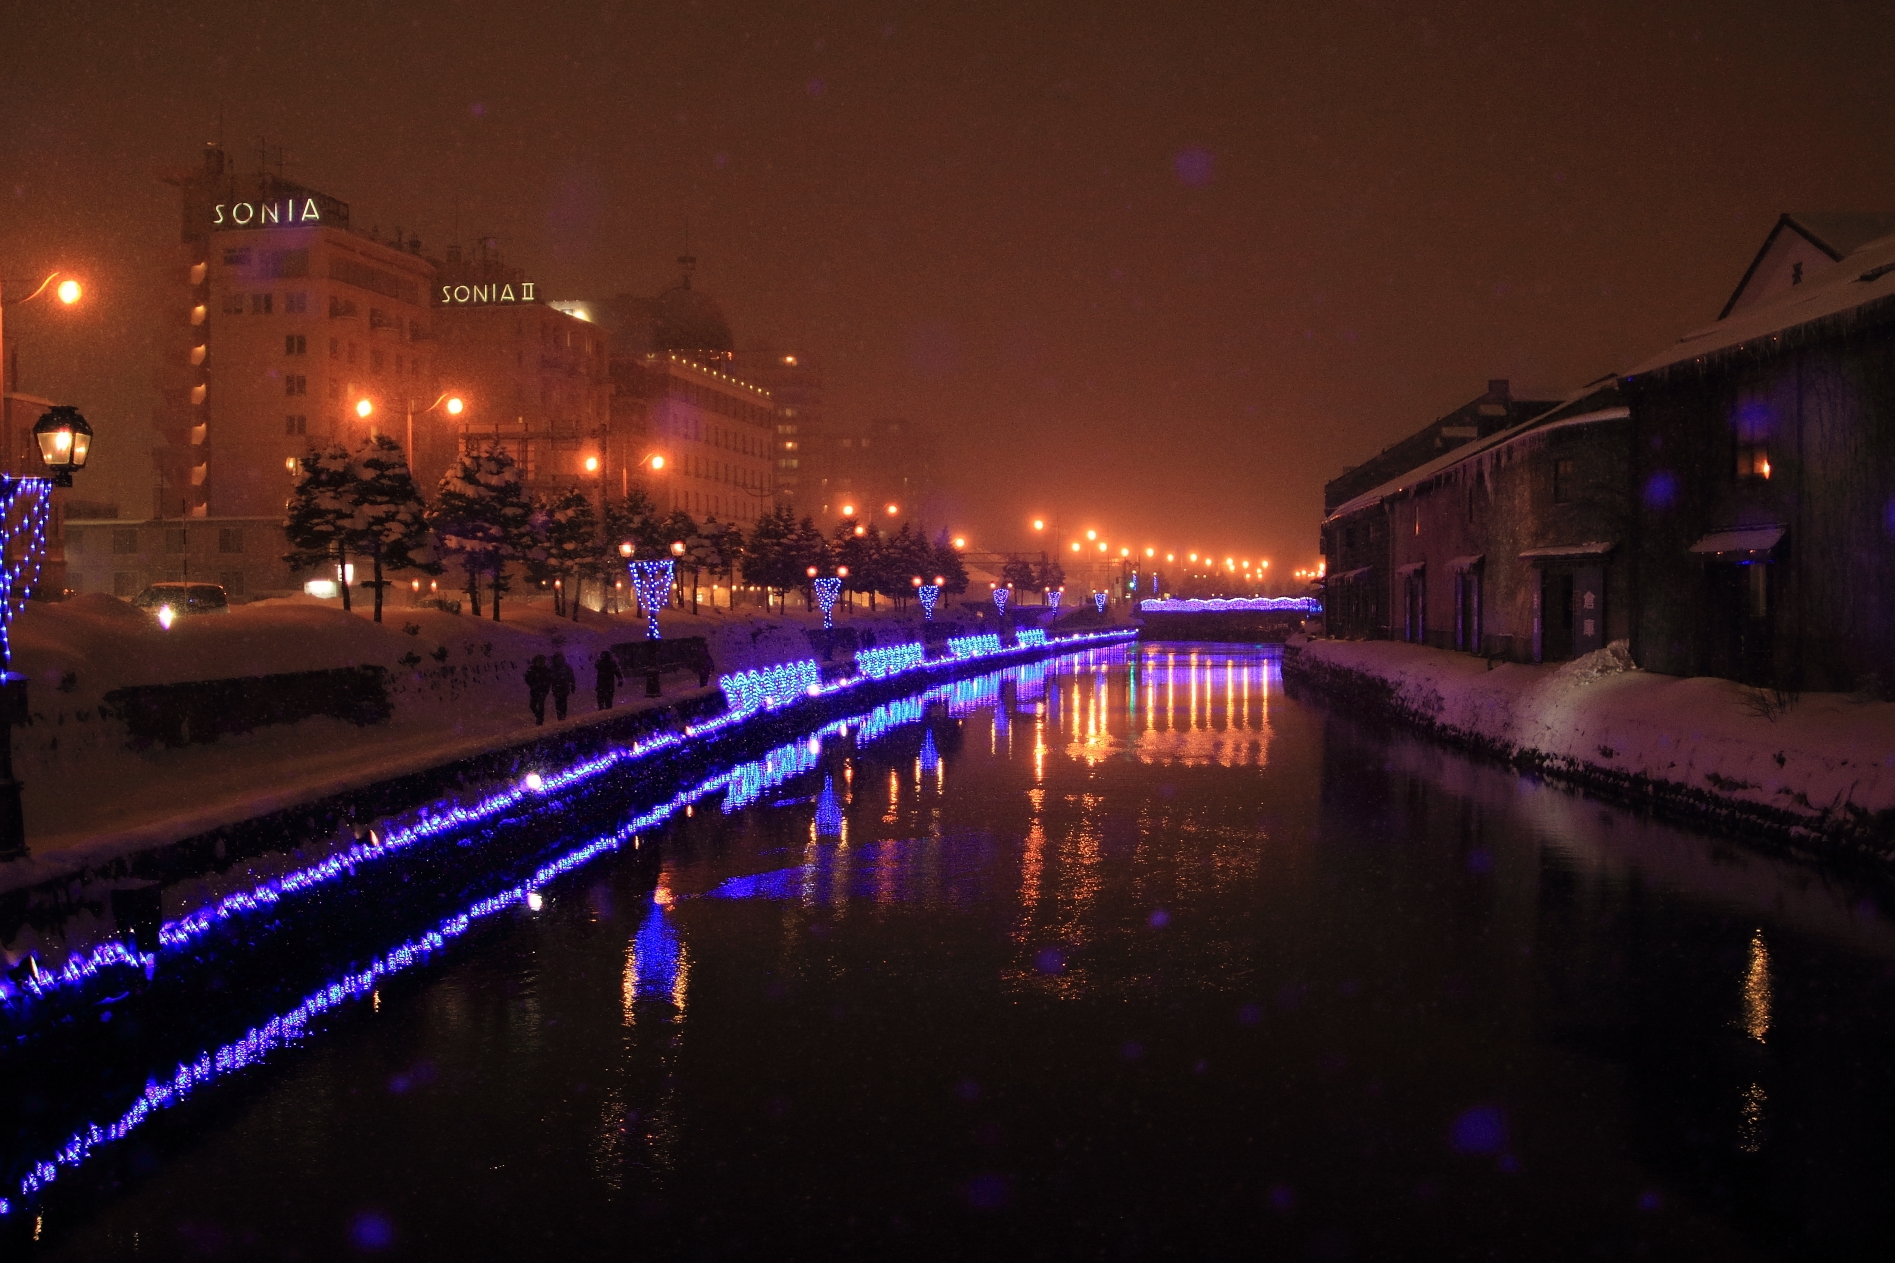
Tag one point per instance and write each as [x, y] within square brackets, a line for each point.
[1157, 269]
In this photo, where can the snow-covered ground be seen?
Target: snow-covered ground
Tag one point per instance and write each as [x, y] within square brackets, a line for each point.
[1822, 764]
[455, 681]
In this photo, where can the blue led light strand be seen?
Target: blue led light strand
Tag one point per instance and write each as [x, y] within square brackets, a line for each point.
[1245, 604]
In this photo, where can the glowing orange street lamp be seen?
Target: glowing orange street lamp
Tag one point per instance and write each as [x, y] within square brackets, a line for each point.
[592, 464]
[960, 541]
[848, 510]
[893, 509]
[364, 409]
[657, 463]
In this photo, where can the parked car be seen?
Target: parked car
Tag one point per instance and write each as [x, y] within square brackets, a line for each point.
[184, 598]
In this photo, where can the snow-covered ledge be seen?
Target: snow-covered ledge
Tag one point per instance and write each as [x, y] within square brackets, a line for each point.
[1821, 768]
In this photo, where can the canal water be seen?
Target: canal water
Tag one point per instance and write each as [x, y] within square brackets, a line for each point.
[1138, 955]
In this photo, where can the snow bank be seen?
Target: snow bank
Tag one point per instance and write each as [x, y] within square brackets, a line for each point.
[1822, 764]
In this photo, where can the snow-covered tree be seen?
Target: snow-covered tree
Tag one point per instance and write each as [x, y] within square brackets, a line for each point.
[389, 524]
[483, 517]
[770, 559]
[320, 516]
[567, 531]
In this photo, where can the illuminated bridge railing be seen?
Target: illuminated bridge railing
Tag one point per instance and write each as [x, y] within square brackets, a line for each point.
[1233, 605]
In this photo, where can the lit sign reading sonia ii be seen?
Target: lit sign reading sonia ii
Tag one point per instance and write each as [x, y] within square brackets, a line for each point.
[291, 210]
[498, 292]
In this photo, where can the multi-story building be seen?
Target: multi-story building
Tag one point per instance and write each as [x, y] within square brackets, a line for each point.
[683, 419]
[714, 432]
[288, 322]
[531, 377]
[870, 467]
[286, 329]
[795, 383]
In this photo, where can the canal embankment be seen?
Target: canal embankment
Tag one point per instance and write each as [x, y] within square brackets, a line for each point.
[1814, 772]
[79, 931]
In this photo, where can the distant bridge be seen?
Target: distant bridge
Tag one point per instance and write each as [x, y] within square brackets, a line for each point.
[1269, 618]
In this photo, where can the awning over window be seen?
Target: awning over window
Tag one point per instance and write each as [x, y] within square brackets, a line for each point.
[1350, 576]
[1402, 572]
[1461, 565]
[1741, 543]
[1568, 552]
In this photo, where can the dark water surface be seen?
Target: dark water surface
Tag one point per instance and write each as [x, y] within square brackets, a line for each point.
[1143, 958]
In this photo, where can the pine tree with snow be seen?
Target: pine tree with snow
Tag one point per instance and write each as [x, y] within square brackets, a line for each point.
[567, 527]
[769, 555]
[483, 517]
[389, 525]
[320, 516]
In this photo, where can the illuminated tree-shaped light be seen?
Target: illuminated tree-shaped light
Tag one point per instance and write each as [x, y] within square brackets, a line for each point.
[1000, 599]
[1052, 598]
[25, 508]
[828, 811]
[929, 594]
[652, 581]
[1098, 601]
[827, 590]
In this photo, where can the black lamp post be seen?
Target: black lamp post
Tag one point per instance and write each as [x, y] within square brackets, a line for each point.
[65, 443]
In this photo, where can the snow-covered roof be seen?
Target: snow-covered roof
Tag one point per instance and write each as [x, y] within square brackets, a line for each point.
[1567, 413]
[1863, 277]
[1742, 539]
[1461, 564]
[1350, 576]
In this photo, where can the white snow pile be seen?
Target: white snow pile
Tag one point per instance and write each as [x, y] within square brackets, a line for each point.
[1823, 757]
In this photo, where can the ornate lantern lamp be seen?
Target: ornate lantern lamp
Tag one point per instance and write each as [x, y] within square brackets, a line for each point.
[65, 441]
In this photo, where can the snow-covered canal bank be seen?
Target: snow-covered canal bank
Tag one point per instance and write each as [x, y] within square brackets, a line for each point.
[1817, 771]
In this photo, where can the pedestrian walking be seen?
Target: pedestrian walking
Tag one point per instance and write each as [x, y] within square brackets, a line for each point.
[609, 677]
[539, 678]
[563, 684]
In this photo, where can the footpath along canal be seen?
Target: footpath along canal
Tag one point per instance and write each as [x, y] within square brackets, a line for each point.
[1129, 954]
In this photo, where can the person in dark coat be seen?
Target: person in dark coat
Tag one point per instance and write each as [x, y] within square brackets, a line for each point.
[539, 678]
[563, 684]
[609, 677]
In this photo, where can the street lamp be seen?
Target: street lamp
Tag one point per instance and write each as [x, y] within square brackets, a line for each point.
[447, 401]
[65, 441]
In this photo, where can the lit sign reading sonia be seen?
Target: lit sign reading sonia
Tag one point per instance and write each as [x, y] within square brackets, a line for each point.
[291, 210]
[475, 295]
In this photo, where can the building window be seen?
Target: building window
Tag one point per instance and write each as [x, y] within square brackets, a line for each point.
[335, 348]
[230, 539]
[1565, 480]
[341, 308]
[125, 539]
[233, 304]
[295, 344]
[1753, 461]
[296, 304]
[295, 384]
[296, 425]
[174, 539]
[262, 304]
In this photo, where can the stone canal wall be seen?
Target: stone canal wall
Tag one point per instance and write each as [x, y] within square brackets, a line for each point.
[1815, 773]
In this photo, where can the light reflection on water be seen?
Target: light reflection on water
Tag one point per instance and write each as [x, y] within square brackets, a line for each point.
[1136, 951]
